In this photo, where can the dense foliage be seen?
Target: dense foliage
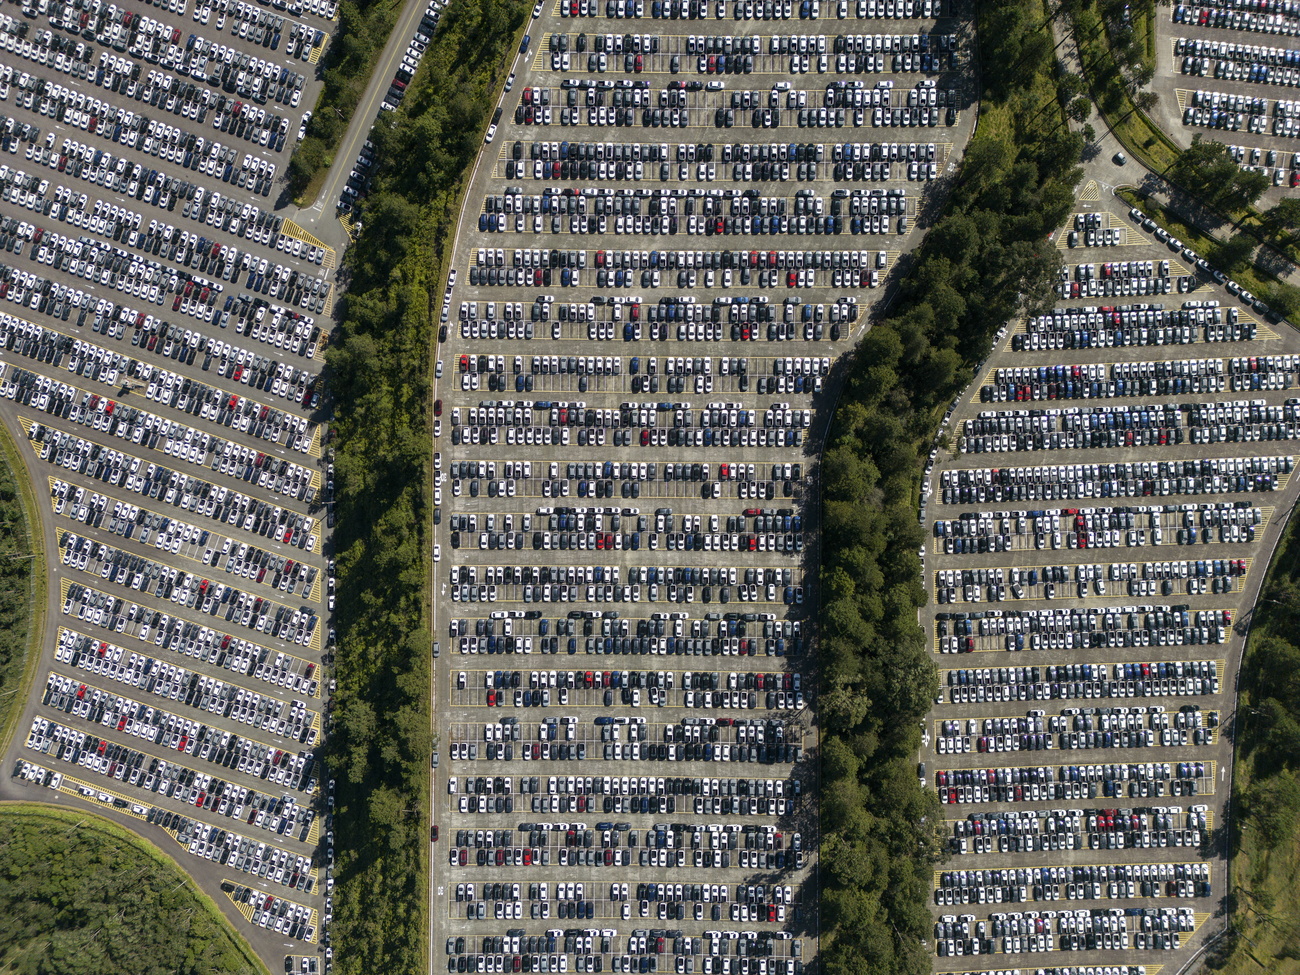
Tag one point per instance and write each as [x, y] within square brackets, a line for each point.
[987, 257]
[1207, 169]
[81, 898]
[16, 602]
[1265, 808]
[380, 744]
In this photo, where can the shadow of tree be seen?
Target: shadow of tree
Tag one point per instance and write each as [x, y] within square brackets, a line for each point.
[1271, 262]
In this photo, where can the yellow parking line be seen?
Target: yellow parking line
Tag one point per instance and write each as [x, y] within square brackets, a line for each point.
[938, 874]
[313, 872]
[143, 702]
[1211, 771]
[1263, 332]
[62, 533]
[244, 909]
[318, 50]
[314, 476]
[938, 722]
[963, 470]
[315, 594]
[91, 792]
[1238, 585]
[292, 229]
[135, 384]
[28, 424]
[943, 675]
[247, 910]
[66, 584]
[170, 761]
[205, 571]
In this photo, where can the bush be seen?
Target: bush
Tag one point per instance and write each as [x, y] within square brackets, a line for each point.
[380, 744]
[987, 258]
[79, 895]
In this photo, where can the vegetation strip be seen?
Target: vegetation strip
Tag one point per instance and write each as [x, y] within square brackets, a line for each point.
[380, 744]
[72, 884]
[984, 262]
[1225, 255]
[22, 585]
[1265, 828]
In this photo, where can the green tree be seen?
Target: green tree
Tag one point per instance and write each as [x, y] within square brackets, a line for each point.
[79, 897]
[1080, 108]
[1233, 254]
[1069, 86]
[1205, 166]
[1283, 219]
[1245, 189]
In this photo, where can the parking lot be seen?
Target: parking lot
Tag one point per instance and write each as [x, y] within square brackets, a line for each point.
[160, 352]
[639, 333]
[1108, 746]
[1229, 72]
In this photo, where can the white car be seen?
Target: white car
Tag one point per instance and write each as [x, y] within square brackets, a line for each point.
[437, 553]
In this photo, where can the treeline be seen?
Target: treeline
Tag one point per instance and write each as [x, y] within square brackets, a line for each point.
[987, 258]
[380, 380]
[1264, 841]
[16, 602]
[80, 895]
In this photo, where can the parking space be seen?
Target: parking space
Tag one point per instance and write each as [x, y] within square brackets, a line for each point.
[1124, 665]
[1228, 71]
[635, 364]
[1104, 930]
[161, 360]
[1138, 726]
[1043, 830]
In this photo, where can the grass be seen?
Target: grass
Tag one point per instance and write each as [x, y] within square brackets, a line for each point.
[1265, 885]
[21, 667]
[380, 748]
[347, 69]
[42, 818]
[1144, 27]
[1140, 136]
[312, 190]
[1143, 139]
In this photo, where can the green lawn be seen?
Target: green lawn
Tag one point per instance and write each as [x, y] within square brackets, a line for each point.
[1143, 139]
